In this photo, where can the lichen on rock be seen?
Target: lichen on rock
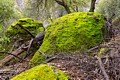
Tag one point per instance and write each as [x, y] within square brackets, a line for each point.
[77, 31]
[42, 72]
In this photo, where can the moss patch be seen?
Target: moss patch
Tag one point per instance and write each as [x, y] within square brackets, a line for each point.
[37, 59]
[42, 72]
[76, 31]
[33, 26]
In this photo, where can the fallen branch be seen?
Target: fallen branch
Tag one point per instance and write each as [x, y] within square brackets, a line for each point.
[44, 55]
[6, 71]
[24, 47]
[102, 68]
[27, 53]
[50, 59]
[10, 57]
[13, 55]
[58, 57]
[94, 48]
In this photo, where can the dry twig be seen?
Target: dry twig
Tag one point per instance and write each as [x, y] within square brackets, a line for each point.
[102, 68]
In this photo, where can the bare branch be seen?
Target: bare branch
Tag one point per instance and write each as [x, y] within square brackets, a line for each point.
[37, 40]
[12, 54]
[41, 53]
[102, 68]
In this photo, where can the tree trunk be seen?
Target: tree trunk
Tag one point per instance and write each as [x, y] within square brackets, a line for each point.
[62, 3]
[92, 7]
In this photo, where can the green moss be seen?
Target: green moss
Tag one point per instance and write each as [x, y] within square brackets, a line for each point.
[33, 26]
[76, 31]
[42, 72]
[2, 56]
[18, 36]
[37, 59]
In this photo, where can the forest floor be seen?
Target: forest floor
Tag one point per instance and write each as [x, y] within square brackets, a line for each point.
[80, 66]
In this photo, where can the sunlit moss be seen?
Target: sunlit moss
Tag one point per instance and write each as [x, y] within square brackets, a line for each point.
[33, 26]
[76, 31]
[37, 59]
[42, 72]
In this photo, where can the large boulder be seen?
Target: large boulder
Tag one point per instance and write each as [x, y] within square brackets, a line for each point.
[42, 72]
[74, 32]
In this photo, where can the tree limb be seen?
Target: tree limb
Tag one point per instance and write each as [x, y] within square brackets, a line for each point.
[13, 55]
[44, 55]
[92, 7]
[94, 48]
[27, 53]
[102, 68]
[37, 40]
[62, 3]
[10, 57]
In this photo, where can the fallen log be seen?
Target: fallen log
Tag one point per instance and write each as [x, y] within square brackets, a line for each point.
[9, 57]
[24, 47]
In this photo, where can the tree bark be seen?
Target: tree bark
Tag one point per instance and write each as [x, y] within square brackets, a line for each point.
[92, 7]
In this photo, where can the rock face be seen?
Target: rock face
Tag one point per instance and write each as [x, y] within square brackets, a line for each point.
[74, 32]
[42, 72]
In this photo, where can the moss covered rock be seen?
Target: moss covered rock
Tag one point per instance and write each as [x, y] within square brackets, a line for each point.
[42, 72]
[74, 32]
[15, 35]
[33, 26]
[37, 59]
[18, 36]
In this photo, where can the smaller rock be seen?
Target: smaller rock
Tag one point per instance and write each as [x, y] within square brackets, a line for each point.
[42, 72]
